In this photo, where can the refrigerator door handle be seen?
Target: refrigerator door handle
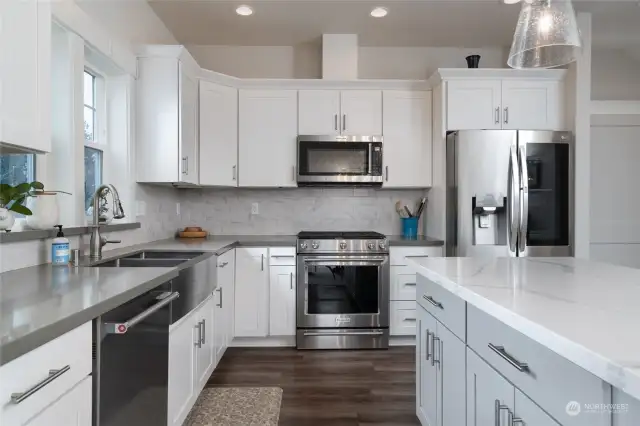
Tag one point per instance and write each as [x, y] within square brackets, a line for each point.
[513, 214]
[524, 198]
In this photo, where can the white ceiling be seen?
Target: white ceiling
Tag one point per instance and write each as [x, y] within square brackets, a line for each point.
[468, 23]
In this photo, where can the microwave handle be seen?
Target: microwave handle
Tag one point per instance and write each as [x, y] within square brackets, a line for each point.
[369, 169]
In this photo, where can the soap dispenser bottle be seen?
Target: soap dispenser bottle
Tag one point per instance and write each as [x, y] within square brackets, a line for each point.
[60, 248]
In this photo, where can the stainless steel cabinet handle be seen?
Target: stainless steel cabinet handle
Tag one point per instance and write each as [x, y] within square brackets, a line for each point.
[198, 342]
[426, 345]
[499, 407]
[280, 255]
[184, 165]
[434, 361]
[520, 366]
[344, 122]
[386, 173]
[262, 262]
[506, 115]
[291, 281]
[220, 305]
[410, 284]
[17, 398]
[223, 264]
[335, 121]
[122, 327]
[203, 336]
[433, 301]
[234, 173]
[498, 115]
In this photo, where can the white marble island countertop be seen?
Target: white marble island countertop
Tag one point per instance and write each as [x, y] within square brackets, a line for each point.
[587, 312]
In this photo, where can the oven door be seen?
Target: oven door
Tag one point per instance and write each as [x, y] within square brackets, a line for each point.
[339, 159]
[343, 291]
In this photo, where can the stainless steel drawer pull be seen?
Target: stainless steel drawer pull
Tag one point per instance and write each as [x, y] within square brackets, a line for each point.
[409, 319]
[426, 344]
[433, 301]
[203, 336]
[410, 284]
[223, 264]
[122, 327]
[220, 290]
[434, 361]
[282, 255]
[517, 420]
[17, 398]
[291, 281]
[347, 333]
[499, 407]
[520, 366]
[198, 342]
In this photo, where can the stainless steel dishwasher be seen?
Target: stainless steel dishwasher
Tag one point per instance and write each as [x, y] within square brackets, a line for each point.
[131, 342]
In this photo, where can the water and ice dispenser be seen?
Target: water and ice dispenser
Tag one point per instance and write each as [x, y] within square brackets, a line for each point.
[489, 216]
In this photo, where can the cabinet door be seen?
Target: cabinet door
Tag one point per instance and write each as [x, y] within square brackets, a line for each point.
[72, 409]
[218, 154]
[25, 43]
[182, 369]
[426, 373]
[474, 104]
[319, 112]
[484, 387]
[268, 128]
[361, 112]
[188, 128]
[529, 413]
[205, 351]
[251, 318]
[282, 307]
[532, 105]
[407, 139]
[452, 377]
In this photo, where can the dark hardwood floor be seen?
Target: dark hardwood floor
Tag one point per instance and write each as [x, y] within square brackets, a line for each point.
[329, 388]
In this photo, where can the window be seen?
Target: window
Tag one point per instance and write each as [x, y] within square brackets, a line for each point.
[17, 168]
[93, 139]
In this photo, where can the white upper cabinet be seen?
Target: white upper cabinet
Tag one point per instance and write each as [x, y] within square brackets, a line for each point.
[335, 112]
[268, 128]
[493, 99]
[361, 112]
[319, 112]
[25, 77]
[407, 139]
[535, 105]
[167, 116]
[473, 104]
[218, 135]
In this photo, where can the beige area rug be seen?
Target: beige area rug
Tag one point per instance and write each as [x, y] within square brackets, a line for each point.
[236, 407]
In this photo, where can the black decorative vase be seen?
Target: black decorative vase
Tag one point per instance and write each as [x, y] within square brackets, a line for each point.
[473, 61]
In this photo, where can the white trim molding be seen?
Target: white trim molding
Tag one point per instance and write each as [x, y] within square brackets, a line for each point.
[615, 107]
[495, 73]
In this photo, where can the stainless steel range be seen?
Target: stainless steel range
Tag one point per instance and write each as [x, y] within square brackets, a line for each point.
[342, 290]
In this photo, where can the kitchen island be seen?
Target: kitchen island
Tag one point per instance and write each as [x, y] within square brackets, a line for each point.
[554, 340]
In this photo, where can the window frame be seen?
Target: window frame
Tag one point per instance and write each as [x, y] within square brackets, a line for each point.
[100, 138]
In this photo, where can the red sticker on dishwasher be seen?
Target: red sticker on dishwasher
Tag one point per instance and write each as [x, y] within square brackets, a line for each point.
[122, 328]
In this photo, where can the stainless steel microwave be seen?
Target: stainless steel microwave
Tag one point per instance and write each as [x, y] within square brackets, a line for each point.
[339, 160]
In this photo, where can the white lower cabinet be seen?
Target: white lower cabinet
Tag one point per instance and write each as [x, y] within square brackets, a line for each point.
[282, 301]
[451, 378]
[426, 378]
[72, 409]
[251, 316]
[490, 397]
[206, 350]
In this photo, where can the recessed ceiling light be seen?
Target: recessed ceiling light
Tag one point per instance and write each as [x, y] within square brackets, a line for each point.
[379, 12]
[244, 10]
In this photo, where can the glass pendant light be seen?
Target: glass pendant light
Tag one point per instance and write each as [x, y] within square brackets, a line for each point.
[547, 35]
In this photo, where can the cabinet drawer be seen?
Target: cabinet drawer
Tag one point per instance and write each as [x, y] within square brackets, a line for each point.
[282, 256]
[397, 254]
[69, 354]
[448, 308]
[403, 283]
[548, 379]
[403, 318]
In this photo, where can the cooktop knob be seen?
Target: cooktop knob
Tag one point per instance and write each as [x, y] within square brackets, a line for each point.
[303, 245]
[343, 245]
[315, 245]
[382, 245]
[371, 245]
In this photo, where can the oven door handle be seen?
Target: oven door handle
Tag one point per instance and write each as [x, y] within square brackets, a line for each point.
[343, 333]
[325, 259]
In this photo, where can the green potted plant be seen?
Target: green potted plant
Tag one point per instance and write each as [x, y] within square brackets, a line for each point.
[13, 198]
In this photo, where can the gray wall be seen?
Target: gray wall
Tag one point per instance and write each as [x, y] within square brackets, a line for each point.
[288, 211]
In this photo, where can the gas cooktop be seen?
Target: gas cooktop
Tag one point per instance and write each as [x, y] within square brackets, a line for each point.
[336, 235]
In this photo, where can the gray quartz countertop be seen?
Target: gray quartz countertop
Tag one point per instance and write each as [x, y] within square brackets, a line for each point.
[420, 240]
[40, 303]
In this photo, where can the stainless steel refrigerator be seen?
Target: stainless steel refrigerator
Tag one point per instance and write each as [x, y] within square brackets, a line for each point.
[509, 193]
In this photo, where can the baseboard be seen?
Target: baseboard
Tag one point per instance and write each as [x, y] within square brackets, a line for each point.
[263, 342]
[402, 341]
